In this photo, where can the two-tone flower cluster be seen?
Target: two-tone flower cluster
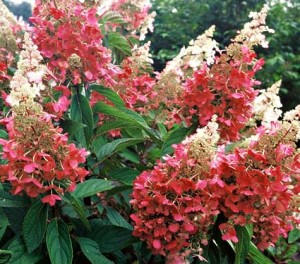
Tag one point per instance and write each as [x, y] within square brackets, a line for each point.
[258, 183]
[39, 159]
[70, 39]
[175, 208]
[205, 81]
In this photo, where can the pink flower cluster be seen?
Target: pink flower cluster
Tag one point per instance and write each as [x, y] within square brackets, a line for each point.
[226, 90]
[69, 37]
[39, 158]
[178, 201]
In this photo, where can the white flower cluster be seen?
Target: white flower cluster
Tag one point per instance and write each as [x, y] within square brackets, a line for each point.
[252, 33]
[142, 54]
[267, 105]
[26, 84]
[199, 50]
[147, 25]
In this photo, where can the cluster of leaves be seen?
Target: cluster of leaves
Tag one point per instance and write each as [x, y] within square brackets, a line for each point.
[92, 223]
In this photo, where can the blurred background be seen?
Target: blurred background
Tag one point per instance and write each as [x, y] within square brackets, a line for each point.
[179, 21]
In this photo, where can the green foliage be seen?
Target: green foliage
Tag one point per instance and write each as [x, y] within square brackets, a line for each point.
[59, 242]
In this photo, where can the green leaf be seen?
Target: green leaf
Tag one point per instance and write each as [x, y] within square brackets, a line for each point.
[109, 94]
[242, 246]
[20, 255]
[294, 235]
[59, 243]
[115, 146]
[71, 200]
[3, 223]
[173, 137]
[106, 127]
[5, 256]
[127, 115]
[34, 226]
[81, 113]
[124, 175]
[8, 200]
[256, 256]
[70, 126]
[93, 186]
[91, 250]
[118, 42]
[116, 219]
[111, 238]
[112, 17]
[3, 134]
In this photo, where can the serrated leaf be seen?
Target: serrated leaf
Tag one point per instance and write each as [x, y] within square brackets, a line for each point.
[116, 219]
[91, 250]
[294, 235]
[93, 186]
[34, 225]
[256, 256]
[81, 112]
[71, 200]
[109, 94]
[173, 137]
[118, 42]
[20, 255]
[242, 246]
[115, 146]
[58, 242]
[124, 175]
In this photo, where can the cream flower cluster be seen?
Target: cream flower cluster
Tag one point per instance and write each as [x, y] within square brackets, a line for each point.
[26, 84]
[267, 105]
[252, 33]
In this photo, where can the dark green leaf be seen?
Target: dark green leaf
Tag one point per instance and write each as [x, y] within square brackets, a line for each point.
[5, 256]
[3, 223]
[109, 94]
[118, 42]
[71, 126]
[59, 243]
[294, 235]
[71, 200]
[127, 115]
[106, 127]
[91, 250]
[115, 146]
[124, 175]
[34, 226]
[242, 246]
[173, 137]
[111, 238]
[93, 186]
[20, 255]
[256, 256]
[116, 219]
[81, 113]
[8, 200]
